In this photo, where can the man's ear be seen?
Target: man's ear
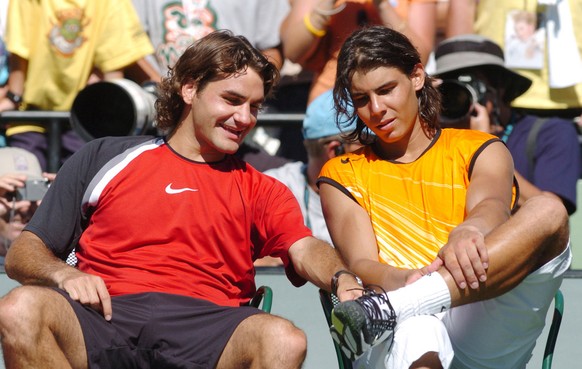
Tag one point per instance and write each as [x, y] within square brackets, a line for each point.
[418, 76]
[334, 148]
[188, 91]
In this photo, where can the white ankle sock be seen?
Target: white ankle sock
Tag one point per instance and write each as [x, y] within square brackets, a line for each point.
[429, 295]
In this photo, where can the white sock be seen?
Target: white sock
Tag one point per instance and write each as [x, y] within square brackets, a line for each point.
[429, 295]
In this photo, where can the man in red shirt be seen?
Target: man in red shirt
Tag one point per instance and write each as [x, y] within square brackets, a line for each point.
[165, 230]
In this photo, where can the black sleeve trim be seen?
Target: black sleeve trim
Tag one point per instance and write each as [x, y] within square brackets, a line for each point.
[474, 159]
[479, 151]
[335, 184]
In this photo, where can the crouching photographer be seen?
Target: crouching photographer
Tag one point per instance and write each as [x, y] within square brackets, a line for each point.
[22, 186]
[477, 91]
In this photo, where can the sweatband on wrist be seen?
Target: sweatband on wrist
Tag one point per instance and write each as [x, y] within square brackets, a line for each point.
[314, 31]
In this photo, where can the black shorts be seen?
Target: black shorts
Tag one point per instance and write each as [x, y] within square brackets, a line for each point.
[158, 330]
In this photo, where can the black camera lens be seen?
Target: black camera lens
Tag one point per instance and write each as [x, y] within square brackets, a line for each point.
[457, 100]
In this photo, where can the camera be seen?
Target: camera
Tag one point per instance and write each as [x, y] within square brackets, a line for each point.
[33, 190]
[458, 97]
[118, 107]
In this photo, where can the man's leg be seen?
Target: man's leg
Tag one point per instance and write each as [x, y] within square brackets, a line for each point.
[536, 234]
[264, 341]
[419, 342]
[40, 330]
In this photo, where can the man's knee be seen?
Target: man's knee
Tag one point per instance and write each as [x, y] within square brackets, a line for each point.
[549, 208]
[421, 340]
[282, 334]
[19, 312]
[262, 340]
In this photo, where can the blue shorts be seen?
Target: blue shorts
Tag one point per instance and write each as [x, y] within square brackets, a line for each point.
[158, 330]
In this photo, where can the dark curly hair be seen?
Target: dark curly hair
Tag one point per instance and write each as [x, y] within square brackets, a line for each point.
[373, 47]
[216, 56]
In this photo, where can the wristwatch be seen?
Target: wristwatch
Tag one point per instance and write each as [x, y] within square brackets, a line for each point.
[335, 279]
[16, 99]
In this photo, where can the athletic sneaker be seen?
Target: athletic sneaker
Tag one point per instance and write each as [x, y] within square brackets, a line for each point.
[362, 323]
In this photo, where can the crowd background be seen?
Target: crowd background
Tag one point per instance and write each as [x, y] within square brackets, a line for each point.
[301, 37]
[319, 27]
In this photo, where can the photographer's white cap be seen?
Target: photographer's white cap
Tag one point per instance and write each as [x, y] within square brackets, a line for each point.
[14, 160]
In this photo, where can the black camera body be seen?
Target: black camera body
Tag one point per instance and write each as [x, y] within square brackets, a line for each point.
[33, 190]
[458, 97]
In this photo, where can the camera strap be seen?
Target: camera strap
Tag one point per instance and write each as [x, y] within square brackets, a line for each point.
[530, 147]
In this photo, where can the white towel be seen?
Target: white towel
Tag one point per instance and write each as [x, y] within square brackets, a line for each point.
[564, 62]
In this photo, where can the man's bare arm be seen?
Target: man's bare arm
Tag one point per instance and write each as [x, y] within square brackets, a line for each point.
[31, 262]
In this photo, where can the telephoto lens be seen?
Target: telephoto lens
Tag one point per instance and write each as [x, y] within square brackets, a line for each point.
[457, 103]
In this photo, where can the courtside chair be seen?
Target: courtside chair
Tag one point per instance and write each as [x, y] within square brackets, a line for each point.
[554, 330]
[328, 301]
[264, 294]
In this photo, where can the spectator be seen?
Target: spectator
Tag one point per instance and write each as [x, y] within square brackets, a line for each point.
[3, 53]
[557, 78]
[424, 213]
[54, 47]
[314, 31]
[323, 141]
[172, 26]
[166, 232]
[478, 62]
[3, 62]
[16, 167]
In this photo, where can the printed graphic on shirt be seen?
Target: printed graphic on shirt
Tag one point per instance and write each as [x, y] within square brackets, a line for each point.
[66, 34]
[184, 22]
[524, 40]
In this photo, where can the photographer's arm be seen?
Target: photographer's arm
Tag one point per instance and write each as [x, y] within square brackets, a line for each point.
[16, 80]
[299, 42]
[31, 262]
[461, 17]
[419, 27]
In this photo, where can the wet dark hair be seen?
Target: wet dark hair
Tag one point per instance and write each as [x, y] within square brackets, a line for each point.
[216, 56]
[373, 47]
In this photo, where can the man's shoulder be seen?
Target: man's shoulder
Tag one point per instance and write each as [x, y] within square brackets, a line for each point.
[101, 150]
[453, 137]
[463, 134]
[113, 143]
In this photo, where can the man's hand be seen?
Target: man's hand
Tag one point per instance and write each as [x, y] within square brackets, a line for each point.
[50, 176]
[465, 256]
[416, 274]
[89, 290]
[350, 294]
[10, 182]
[348, 288]
[480, 120]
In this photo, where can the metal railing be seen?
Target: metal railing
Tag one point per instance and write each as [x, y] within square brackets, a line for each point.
[55, 120]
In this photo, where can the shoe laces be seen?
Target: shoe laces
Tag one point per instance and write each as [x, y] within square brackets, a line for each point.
[379, 319]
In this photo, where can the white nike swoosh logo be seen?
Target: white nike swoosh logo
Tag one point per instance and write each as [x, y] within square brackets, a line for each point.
[173, 191]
